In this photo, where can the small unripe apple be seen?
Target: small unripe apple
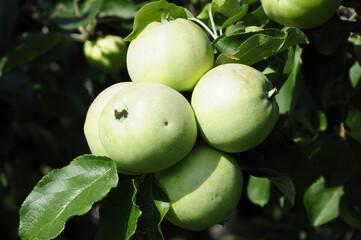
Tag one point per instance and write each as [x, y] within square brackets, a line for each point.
[300, 13]
[203, 189]
[175, 53]
[234, 107]
[107, 53]
[147, 127]
[91, 124]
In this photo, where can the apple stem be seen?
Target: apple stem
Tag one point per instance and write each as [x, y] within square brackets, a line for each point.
[272, 93]
[212, 21]
[122, 114]
[204, 26]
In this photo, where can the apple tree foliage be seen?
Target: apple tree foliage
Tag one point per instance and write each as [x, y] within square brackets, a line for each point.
[302, 182]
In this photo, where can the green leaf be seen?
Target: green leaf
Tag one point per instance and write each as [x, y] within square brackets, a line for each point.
[350, 205]
[352, 124]
[286, 186]
[252, 47]
[228, 8]
[288, 94]
[30, 50]
[8, 15]
[255, 18]
[119, 213]
[336, 162]
[122, 9]
[64, 193]
[357, 49]
[232, 20]
[353, 118]
[223, 11]
[153, 12]
[279, 157]
[258, 190]
[154, 204]
[321, 203]
[69, 15]
[355, 74]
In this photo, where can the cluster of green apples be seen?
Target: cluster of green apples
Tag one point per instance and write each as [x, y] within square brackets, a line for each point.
[148, 125]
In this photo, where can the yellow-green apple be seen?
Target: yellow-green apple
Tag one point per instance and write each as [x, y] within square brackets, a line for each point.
[175, 53]
[300, 13]
[203, 189]
[147, 127]
[91, 124]
[234, 107]
[107, 53]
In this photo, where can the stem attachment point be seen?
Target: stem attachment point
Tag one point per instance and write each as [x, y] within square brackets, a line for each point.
[271, 93]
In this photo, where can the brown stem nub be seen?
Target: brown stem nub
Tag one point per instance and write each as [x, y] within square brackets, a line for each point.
[122, 114]
[272, 93]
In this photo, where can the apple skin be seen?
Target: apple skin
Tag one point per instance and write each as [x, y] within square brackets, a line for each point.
[175, 53]
[107, 53]
[203, 189]
[232, 107]
[304, 14]
[153, 129]
[91, 124]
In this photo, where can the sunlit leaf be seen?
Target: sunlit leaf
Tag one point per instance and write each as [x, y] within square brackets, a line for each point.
[252, 47]
[64, 193]
[322, 204]
[355, 74]
[122, 9]
[153, 12]
[288, 94]
[223, 11]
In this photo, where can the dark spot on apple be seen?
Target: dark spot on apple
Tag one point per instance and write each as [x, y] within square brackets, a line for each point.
[122, 114]
[166, 123]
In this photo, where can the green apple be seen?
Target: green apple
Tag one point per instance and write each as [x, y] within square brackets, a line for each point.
[203, 189]
[91, 124]
[147, 127]
[300, 13]
[234, 107]
[107, 53]
[175, 53]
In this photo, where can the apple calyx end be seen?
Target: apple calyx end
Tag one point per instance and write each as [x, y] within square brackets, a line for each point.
[122, 114]
[271, 93]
